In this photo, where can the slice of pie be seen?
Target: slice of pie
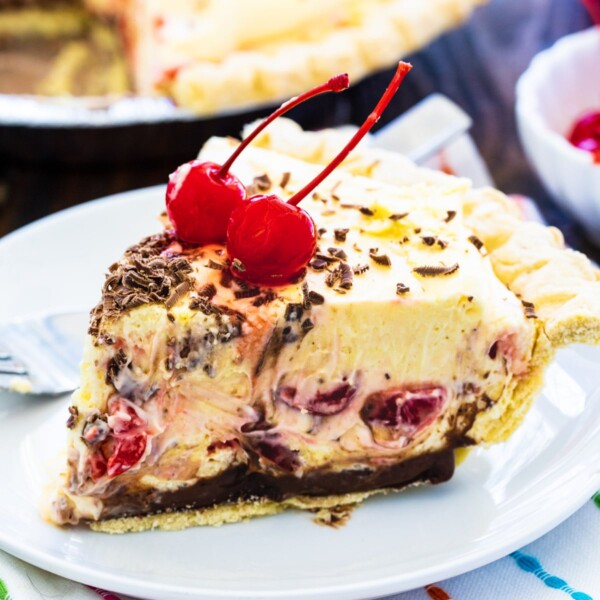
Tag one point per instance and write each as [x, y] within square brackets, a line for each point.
[422, 325]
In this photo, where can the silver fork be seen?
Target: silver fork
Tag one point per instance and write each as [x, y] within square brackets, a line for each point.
[41, 355]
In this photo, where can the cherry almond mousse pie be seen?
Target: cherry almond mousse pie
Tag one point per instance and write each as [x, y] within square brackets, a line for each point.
[294, 339]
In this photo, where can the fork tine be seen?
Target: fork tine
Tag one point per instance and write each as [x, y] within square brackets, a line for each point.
[12, 368]
[45, 352]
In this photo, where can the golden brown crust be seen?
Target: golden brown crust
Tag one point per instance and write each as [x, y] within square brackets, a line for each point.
[227, 513]
[373, 38]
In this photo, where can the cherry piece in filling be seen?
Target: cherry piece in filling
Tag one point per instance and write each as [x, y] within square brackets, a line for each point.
[270, 241]
[201, 195]
[393, 414]
[586, 134]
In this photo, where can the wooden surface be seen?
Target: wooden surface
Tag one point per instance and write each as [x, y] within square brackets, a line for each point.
[477, 66]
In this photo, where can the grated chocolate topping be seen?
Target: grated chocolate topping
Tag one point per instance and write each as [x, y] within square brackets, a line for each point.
[398, 216]
[261, 183]
[337, 253]
[450, 214]
[402, 289]
[476, 242]
[340, 234]
[208, 290]
[529, 309]
[380, 259]
[143, 276]
[285, 179]
[346, 276]
[436, 270]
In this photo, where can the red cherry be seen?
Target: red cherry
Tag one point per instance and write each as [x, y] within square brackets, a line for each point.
[586, 134]
[272, 241]
[127, 452]
[200, 201]
[201, 196]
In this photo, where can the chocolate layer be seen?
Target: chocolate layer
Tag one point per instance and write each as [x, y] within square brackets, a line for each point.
[242, 483]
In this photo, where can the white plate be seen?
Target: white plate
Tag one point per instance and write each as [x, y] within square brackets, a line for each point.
[499, 499]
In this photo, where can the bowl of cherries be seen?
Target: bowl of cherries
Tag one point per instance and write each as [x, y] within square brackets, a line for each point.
[558, 116]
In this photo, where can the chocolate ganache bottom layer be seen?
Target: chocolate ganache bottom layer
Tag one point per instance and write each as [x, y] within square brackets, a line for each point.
[242, 483]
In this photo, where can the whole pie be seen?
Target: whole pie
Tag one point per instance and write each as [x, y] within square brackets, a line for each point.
[211, 55]
[422, 325]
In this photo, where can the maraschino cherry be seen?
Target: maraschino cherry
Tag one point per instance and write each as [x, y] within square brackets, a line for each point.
[593, 7]
[270, 241]
[201, 195]
[586, 134]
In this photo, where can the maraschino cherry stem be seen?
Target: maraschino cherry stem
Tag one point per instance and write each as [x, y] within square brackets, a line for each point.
[401, 72]
[338, 83]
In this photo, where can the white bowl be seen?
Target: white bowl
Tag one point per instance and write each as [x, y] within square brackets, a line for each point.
[560, 85]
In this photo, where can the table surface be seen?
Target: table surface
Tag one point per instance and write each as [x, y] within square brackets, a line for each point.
[476, 65]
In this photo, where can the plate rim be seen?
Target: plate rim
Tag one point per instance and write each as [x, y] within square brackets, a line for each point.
[375, 586]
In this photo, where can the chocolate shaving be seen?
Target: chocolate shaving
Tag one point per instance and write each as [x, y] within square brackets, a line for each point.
[346, 276]
[208, 290]
[316, 298]
[428, 240]
[321, 231]
[398, 216]
[402, 289]
[265, 298]
[450, 214]
[318, 264]
[143, 276]
[285, 179]
[305, 296]
[340, 234]
[307, 325]
[226, 278]
[114, 367]
[238, 265]
[73, 415]
[337, 253]
[529, 308]
[442, 244]
[179, 291]
[293, 311]
[380, 259]
[435, 270]
[213, 264]
[261, 183]
[365, 210]
[476, 242]
[333, 277]
[249, 293]
[326, 258]
[493, 351]
[360, 269]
